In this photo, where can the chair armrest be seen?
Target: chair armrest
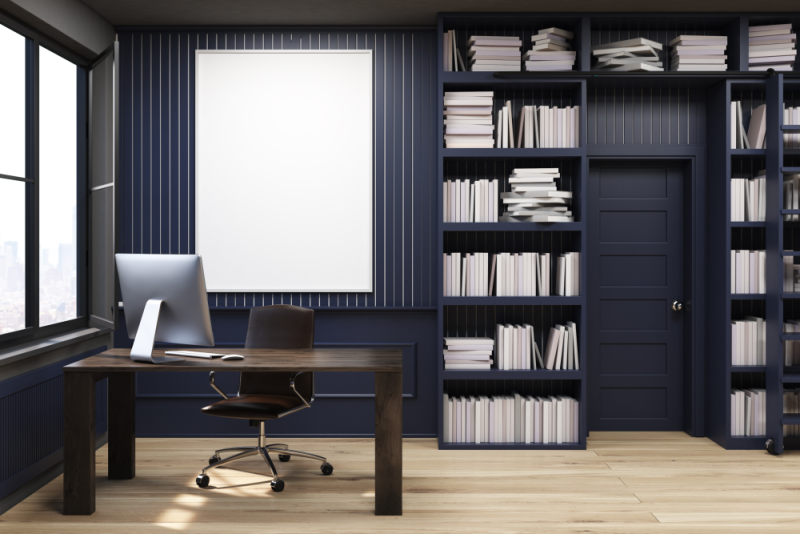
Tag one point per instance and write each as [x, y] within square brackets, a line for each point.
[308, 402]
[213, 385]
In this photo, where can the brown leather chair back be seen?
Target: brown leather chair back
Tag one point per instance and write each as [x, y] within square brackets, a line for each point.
[278, 327]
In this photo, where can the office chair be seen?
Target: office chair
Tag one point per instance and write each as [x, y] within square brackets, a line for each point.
[264, 396]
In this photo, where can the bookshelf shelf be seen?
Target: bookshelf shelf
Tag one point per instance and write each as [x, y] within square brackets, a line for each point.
[748, 368]
[748, 296]
[498, 374]
[790, 296]
[748, 224]
[748, 152]
[512, 301]
[512, 153]
[513, 227]
[793, 378]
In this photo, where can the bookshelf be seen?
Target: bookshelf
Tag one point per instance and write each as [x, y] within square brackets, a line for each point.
[631, 116]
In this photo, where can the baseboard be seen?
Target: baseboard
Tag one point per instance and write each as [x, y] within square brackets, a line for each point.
[39, 481]
[270, 436]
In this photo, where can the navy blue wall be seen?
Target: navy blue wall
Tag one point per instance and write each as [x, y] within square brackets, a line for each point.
[157, 82]
[32, 422]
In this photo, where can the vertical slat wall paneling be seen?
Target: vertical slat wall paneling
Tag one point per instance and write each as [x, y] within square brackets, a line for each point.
[32, 422]
[158, 76]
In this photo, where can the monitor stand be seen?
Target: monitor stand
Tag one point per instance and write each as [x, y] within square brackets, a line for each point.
[142, 350]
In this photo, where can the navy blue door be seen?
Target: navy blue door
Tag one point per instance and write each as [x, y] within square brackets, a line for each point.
[635, 272]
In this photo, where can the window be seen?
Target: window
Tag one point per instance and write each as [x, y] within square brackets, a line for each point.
[40, 210]
[58, 188]
[12, 184]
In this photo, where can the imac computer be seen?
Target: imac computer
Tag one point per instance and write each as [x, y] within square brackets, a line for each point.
[164, 296]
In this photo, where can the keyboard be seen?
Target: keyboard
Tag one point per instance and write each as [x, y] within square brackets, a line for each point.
[193, 354]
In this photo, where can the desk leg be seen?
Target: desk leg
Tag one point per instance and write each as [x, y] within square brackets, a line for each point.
[388, 444]
[121, 426]
[79, 454]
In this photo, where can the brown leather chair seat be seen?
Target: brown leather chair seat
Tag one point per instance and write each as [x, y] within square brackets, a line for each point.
[259, 406]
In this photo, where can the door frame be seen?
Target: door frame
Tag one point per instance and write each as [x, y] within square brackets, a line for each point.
[694, 261]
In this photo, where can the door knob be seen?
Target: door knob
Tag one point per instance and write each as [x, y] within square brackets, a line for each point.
[677, 305]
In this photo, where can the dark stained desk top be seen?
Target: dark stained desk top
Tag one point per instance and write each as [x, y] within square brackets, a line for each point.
[295, 360]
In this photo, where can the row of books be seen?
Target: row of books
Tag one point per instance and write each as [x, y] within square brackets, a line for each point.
[466, 201]
[791, 195]
[698, 52]
[539, 127]
[791, 349]
[791, 116]
[748, 271]
[748, 412]
[631, 55]
[550, 50]
[791, 275]
[749, 341]
[756, 134]
[511, 418]
[791, 404]
[772, 47]
[749, 198]
[535, 197]
[524, 274]
[468, 119]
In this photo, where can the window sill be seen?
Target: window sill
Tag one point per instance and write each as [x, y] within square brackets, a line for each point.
[29, 349]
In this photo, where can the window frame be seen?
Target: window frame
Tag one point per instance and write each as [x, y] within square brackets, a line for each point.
[32, 330]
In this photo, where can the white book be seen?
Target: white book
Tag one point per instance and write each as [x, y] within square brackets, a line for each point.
[638, 41]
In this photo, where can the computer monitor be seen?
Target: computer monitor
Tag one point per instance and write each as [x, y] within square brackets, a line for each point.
[164, 297]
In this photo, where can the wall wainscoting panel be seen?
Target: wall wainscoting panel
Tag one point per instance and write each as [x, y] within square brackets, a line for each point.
[32, 422]
[168, 404]
[158, 154]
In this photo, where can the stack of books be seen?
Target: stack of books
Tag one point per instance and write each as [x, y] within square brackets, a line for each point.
[791, 275]
[756, 134]
[791, 116]
[632, 55]
[451, 60]
[562, 348]
[517, 348]
[494, 53]
[467, 276]
[791, 195]
[749, 412]
[791, 404]
[772, 47]
[535, 198]
[749, 341]
[511, 418]
[749, 198]
[748, 271]
[698, 52]
[550, 50]
[791, 349]
[468, 119]
[466, 201]
[526, 274]
[468, 353]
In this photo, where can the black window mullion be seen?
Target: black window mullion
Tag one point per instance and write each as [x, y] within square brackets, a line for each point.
[32, 187]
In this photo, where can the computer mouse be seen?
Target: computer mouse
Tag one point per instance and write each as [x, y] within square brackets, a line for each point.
[232, 357]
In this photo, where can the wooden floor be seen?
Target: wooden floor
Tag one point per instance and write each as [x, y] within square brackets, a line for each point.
[624, 482]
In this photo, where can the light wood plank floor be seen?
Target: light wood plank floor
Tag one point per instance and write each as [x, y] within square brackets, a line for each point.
[624, 482]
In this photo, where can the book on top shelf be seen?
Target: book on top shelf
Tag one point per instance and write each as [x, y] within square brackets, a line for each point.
[698, 53]
[772, 47]
[550, 51]
[494, 53]
[643, 52]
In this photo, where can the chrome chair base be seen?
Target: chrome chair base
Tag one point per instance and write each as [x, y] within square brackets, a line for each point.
[281, 449]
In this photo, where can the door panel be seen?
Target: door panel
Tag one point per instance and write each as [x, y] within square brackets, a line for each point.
[635, 234]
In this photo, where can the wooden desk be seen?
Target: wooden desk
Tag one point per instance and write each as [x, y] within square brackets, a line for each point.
[116, 365]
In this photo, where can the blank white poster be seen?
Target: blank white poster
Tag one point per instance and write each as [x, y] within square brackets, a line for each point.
[284, 199]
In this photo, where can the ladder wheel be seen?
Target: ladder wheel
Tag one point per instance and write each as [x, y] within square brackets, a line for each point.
[771, 447]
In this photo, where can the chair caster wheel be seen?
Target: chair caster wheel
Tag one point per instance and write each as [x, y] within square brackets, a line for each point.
[284, 457]
[214, 459]
[771, 447]
[327, 469]
[277, 485]
[202, 480]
